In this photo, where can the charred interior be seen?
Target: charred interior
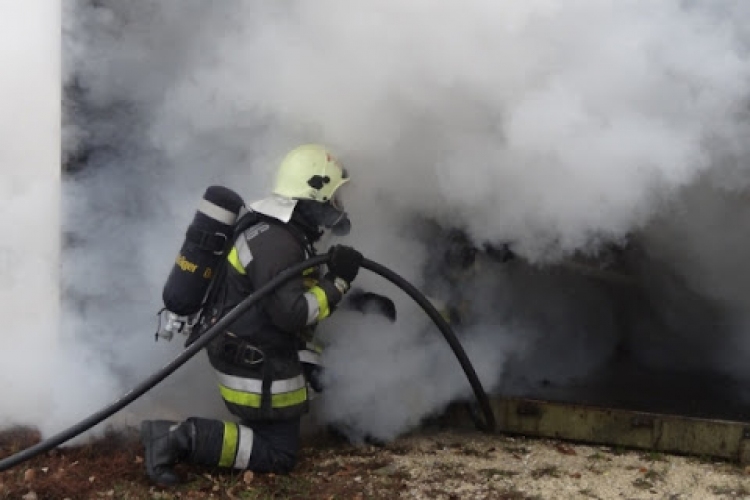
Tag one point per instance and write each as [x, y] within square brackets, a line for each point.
[651, 355]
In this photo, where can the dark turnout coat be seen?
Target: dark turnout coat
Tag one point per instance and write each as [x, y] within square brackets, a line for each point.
[256, 358]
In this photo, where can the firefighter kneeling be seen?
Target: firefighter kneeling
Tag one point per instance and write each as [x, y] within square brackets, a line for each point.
[260, 375]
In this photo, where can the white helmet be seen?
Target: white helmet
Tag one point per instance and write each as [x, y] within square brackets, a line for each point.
[309, 172]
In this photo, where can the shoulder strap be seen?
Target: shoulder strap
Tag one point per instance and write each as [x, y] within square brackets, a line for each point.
[212, 297]
[296, 232]
[245, 222]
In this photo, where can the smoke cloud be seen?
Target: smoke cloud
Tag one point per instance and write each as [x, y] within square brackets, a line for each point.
[562, 128]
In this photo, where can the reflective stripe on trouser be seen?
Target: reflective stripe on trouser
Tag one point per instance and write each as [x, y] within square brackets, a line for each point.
[256, 446]
[237, 446]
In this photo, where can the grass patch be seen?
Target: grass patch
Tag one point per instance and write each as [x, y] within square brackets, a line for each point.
[490, 473]
[701, 459]
[516, 450]
[643, 483]
[587, 493]
[653, 475]
[514, 494]
[654, 456]
[740, 490]
[598, 470]
[549, 471]
[617, 451]
[277, 487]
[476, 453]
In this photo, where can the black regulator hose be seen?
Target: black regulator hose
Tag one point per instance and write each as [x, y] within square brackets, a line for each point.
[489, 420]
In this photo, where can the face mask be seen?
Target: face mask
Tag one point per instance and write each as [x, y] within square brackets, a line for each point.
[328, 216]
[342, 226]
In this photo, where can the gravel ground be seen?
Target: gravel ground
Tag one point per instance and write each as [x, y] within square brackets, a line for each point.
[431, 464]
[458, 465]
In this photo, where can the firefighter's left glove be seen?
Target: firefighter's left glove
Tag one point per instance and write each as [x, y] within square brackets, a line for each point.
[344, 263]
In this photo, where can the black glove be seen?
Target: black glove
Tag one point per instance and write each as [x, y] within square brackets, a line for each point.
[344, 262]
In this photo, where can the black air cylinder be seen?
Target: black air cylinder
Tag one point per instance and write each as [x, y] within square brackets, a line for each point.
[206, 241]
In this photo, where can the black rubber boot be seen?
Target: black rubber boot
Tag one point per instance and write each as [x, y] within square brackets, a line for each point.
[166, 443]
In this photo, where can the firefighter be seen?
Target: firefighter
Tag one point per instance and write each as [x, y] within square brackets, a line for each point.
[257, 359]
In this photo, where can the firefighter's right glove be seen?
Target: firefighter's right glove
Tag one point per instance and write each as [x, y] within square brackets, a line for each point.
[344, 263]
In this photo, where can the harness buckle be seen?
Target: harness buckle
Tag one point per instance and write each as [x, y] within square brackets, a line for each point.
[249, 354]
[241, 351]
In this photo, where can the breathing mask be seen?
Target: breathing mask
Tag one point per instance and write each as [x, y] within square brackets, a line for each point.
[330, 215]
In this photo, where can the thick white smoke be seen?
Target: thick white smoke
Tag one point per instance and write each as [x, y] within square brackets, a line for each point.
[557, 126]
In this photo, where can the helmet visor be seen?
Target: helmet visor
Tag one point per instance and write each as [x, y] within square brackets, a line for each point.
[337, 203]
[335, 218]
[336, 200]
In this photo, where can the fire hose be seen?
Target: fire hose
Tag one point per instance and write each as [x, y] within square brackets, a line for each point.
[488, 425]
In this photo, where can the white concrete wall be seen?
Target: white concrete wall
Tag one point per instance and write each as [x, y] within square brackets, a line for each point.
[29, 170]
